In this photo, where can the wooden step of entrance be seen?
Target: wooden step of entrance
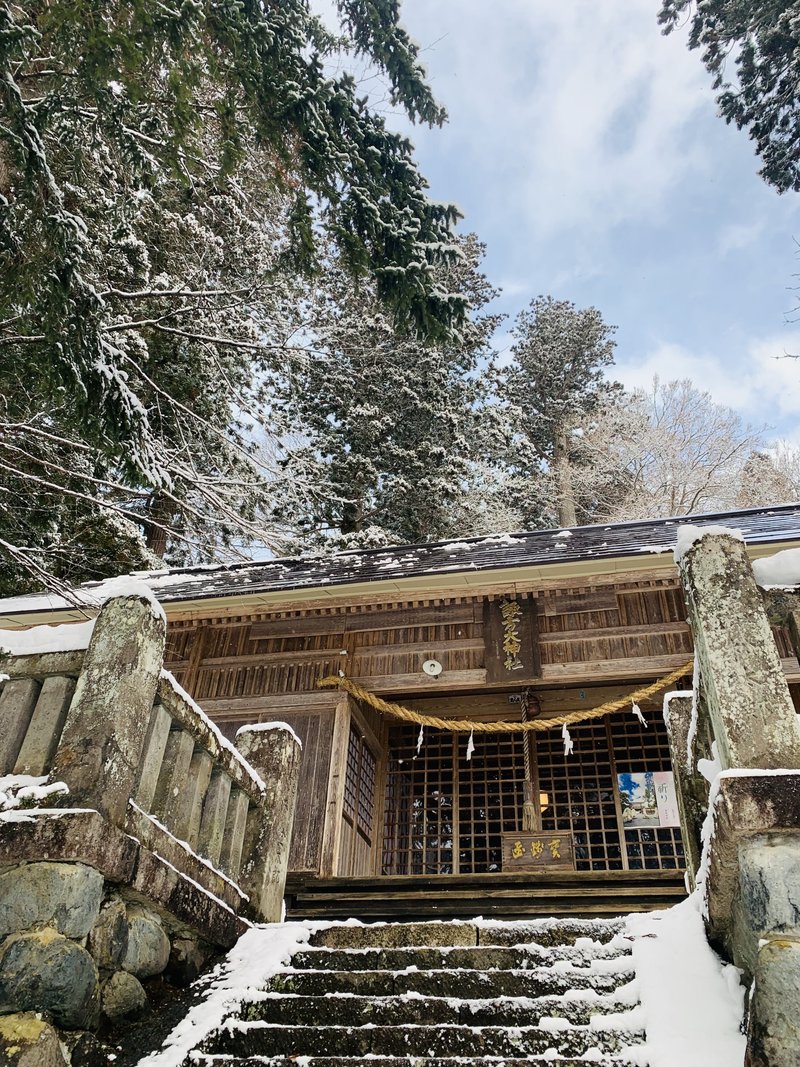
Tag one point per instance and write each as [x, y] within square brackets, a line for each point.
[500, 896]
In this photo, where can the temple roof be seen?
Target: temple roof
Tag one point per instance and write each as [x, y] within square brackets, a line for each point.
[538, 548]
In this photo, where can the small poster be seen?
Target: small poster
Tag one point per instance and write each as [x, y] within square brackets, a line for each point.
[648, 799]
[666, 800]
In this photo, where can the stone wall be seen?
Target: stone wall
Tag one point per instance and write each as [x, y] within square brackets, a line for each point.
[135, 842]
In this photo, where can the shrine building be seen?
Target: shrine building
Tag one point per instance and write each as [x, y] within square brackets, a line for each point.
[397, 818]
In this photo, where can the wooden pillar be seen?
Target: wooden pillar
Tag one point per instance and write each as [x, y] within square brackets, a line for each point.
[741, 677]
[332, 830]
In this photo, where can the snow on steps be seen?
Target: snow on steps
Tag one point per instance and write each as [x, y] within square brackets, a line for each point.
[442, 994]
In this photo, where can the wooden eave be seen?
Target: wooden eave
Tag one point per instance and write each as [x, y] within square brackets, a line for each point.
[469, 582]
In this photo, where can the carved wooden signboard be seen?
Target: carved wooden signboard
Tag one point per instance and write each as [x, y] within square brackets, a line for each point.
[509, 629]
[531, 852]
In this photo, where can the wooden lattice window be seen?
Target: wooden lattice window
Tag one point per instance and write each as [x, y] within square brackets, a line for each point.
[637, 749]
[359, 785]
[444, 814]
[581, 794]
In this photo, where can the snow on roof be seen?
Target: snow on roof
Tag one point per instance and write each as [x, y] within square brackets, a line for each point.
[538, 548]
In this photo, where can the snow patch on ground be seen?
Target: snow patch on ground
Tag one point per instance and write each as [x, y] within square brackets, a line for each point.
[259, 954]
[780, 571]
[689, 535]
[691, 1002]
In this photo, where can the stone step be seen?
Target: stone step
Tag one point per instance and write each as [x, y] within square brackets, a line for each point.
[349, 1010]
[480, 959]
[533, 982]
[275, 1039]
[546, 932]
[217, 1059]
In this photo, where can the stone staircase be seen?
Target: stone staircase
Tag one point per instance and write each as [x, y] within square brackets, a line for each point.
[444, 994]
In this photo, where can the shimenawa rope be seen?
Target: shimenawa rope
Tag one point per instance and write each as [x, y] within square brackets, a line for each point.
[397, 711]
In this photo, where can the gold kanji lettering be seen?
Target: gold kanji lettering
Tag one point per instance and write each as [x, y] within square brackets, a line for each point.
[517, 851]
[510, 613]
[537, 848]
[555, 848]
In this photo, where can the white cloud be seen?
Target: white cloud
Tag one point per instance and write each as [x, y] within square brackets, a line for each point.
[584, 102]
[738, 235]
[761, 383]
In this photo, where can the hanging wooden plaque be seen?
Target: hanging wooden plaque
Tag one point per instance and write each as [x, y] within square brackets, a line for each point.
[537, 851]
[510, 638]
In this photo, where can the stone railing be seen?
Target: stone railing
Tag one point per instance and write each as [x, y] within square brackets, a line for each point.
[136, 786]
[735, 748]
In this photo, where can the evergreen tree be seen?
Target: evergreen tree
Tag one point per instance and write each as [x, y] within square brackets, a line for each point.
[391, 426]
[760, 41]
[553, 384]
[164, 174]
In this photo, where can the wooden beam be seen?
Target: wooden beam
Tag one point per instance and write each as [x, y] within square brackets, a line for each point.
[639, 667]
[616, 632]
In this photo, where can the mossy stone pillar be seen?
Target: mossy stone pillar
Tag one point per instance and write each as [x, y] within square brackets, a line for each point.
[107, 721]
[274, 752]
[741, 676]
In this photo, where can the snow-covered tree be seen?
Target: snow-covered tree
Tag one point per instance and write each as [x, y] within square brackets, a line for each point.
[554, 383]
[753, 51]
[684, 453]
[165, 172]
[389, 427]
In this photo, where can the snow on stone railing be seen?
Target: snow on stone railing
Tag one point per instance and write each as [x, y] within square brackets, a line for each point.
[90, 706]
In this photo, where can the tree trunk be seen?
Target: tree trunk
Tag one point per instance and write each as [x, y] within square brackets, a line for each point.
[161, 512]
[566, 495]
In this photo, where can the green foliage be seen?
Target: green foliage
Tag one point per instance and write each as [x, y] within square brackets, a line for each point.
[553, 383]
[389, 427]
[753, 51]
[179, 94]
[168, 175]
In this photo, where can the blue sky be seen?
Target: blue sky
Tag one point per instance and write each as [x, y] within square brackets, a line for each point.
[585, 150]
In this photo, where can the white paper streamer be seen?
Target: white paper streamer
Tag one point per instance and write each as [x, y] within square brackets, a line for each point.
[419, 739]
[637, 711]
[470, 745]
[568, 743]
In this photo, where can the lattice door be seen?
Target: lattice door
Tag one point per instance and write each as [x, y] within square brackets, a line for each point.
[580, 794]
[437, 797]
[583, 797]
[636, 749]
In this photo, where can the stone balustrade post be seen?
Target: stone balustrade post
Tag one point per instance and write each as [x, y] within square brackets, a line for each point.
[106, 725]
[742, 680]
[274, 751]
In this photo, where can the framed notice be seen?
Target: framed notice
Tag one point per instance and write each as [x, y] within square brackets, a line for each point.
[648, 799]
[532, 851]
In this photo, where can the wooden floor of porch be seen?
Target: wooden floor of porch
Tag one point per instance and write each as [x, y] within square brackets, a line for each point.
[497, 896]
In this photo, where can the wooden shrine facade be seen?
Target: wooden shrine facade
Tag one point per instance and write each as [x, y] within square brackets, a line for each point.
[373, 800]
[493, 629]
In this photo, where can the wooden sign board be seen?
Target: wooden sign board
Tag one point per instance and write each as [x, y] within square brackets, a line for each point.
[510, 638]
[535, 852]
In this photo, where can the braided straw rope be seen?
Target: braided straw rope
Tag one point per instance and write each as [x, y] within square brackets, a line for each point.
[397, 711]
